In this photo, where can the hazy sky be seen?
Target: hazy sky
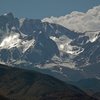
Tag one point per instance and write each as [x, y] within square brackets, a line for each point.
[45, 8]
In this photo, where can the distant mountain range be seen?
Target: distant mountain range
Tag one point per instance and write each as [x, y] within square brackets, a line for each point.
[67, 47]
[47, 45]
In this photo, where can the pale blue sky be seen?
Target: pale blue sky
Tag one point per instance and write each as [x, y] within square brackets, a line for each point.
[45, 8]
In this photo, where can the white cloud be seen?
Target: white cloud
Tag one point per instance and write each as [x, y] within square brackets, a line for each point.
[79, 21]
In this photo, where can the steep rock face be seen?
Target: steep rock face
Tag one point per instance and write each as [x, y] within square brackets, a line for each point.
[44, 50]
[90, 55]
[29, 39]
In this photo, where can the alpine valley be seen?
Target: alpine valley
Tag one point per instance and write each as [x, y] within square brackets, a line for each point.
[66, 47]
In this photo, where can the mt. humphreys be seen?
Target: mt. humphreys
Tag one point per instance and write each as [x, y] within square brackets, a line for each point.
[65, 46]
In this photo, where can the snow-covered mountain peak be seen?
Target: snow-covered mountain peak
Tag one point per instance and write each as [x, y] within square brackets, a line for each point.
[39, 41]
[63, 43]
[8, 14]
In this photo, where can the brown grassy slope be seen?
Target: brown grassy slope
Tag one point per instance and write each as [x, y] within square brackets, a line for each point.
[19, 84]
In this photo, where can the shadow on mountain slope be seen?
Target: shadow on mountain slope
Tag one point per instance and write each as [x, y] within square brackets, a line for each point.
[19, 84]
